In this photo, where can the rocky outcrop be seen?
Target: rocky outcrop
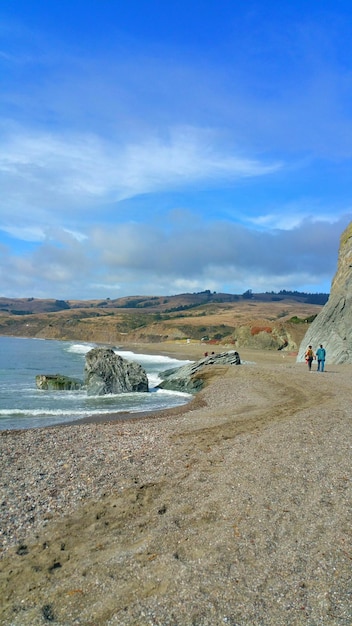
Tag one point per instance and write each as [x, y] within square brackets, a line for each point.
[107, 372]
[57, 382]
[333, 325]
[188, 378]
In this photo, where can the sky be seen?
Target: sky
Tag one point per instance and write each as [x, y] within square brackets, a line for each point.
[153, 147]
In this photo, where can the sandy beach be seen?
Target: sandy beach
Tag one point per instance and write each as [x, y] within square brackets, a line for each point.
[234, 509]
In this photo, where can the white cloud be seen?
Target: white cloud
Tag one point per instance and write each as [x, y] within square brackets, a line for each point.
[291, 216]
[284, 221]
[44, 171]
[75, 234]
[107, 286]
[24, 233]
[36, 234]
[154, 259]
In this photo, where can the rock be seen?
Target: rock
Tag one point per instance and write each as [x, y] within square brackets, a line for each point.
[188, 378]
[333, 325]
[57, 382]
[107, 372]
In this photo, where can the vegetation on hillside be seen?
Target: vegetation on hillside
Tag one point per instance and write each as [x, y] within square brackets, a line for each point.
[269, 320]
[161, 304]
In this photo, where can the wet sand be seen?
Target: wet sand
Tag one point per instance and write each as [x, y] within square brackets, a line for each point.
[233, 509]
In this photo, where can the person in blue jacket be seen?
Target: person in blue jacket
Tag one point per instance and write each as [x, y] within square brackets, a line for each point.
[321, 354]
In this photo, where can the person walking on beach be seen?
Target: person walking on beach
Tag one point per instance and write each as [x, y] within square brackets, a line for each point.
[309, 356]
[321, 354]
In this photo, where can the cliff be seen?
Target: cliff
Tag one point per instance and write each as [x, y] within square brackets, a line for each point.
[333, 325]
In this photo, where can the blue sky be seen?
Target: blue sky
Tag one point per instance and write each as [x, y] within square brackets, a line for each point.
[153, 147]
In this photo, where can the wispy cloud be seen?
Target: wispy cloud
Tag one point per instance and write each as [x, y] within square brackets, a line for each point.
[157, 159]
[86, 166]
[291, 216]
[47, 178]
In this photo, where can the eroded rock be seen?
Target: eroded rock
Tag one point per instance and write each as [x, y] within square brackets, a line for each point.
[57, 382]
[107, 372]
[188, 378]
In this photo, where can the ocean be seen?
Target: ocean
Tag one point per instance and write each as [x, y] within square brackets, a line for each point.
[22, 405]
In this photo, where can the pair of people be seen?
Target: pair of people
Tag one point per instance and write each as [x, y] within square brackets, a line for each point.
[320, 356]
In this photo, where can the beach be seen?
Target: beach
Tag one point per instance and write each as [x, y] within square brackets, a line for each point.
[233, 509]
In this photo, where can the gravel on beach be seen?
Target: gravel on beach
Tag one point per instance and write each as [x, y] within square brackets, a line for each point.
[234, 509]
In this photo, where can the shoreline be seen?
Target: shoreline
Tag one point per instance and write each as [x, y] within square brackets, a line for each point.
[123, 416]
[235, 509]
[175, 350]
[180, 350]
[126, 416]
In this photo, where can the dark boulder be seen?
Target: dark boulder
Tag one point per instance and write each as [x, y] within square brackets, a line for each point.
[107, 372]
[57, 382]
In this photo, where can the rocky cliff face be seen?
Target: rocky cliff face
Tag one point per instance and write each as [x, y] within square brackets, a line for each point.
[333, 325]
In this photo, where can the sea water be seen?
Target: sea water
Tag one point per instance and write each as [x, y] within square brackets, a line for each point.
[22, 405]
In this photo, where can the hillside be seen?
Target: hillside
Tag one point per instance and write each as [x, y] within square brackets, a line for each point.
[268, 320]
[183, 301]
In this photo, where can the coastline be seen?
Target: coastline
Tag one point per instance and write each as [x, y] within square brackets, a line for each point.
[234, 508]
[178, 350]
[75, 412]
[183, 351]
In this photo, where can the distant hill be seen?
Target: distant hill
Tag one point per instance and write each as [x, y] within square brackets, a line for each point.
[162, 304]
[28, 306]
[260, 320]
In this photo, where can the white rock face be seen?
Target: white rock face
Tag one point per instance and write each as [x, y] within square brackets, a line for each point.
[333, 325]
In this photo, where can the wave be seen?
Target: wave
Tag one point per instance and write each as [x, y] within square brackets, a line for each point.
[125, 402]
[80, 348]
[74, 414]
[151, 358]
[22, 405]
[83, 348]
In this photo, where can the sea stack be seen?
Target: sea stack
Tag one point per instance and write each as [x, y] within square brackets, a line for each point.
[107, 372]
[333, 325]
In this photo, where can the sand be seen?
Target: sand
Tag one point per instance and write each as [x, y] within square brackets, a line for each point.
[234, 509]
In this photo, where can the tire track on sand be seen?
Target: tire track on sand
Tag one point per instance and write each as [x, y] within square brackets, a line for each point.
[271, 397]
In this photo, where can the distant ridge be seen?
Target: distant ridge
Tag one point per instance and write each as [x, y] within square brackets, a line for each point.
[165, 304]
[274, 321]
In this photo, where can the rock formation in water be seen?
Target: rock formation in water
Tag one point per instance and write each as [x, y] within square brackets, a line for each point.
[188, 378]
[107, 372]
[333, 325]
[57, 382]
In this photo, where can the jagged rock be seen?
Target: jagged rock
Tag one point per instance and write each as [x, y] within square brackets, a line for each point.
[107, 372]
[57, 382]
[188, 378]
[333, 325]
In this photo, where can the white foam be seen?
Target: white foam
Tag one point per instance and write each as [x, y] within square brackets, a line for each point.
[170, 392]
[80, 348]
[151, 359]
[163, 361]
[23, 405]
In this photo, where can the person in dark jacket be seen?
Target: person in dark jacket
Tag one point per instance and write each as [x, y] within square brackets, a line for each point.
[309, 356]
